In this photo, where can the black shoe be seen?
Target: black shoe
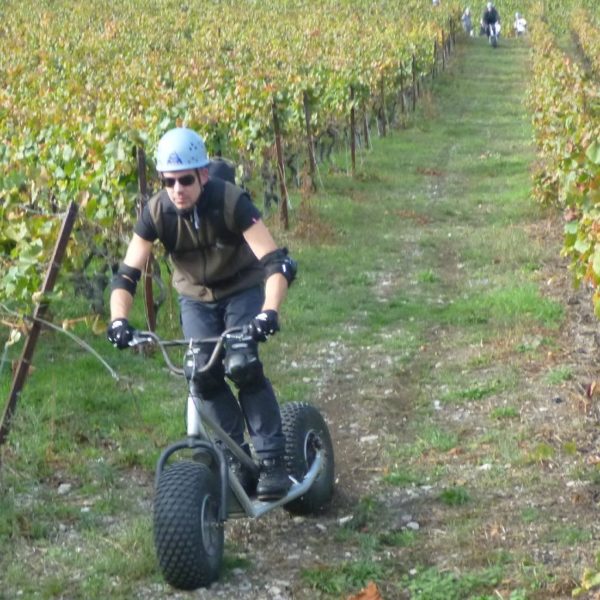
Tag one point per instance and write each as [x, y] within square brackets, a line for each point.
[273, 482]
[243, 474]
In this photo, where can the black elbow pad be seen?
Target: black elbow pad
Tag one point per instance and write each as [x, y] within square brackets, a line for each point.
[126, 278]
[279, 261]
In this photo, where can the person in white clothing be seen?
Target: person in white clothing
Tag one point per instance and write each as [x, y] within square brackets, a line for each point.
[520, 24]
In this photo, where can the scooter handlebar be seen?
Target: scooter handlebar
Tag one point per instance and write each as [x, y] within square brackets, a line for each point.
[141, 338]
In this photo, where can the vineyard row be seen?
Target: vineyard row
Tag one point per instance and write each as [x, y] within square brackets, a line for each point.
[565, 103]
[81, 101]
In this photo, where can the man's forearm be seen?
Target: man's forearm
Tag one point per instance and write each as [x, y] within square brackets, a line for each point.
[275, 292]
[121, 302]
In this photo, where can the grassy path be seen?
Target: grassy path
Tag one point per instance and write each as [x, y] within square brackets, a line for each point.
[473, 361]
[432, 323]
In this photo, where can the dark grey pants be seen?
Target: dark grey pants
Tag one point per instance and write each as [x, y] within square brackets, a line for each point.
[256, 405]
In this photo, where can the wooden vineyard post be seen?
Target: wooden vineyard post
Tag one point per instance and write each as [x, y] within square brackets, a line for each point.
[283, 208]
[366, 133]
[444, 50]
[414, 83]
[383, 111]
[352, 131]
[312, 163]
[27, 354]
[143, 196]
[402, 101]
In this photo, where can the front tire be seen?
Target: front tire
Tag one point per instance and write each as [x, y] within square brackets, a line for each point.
[306, 432]
[188, 535]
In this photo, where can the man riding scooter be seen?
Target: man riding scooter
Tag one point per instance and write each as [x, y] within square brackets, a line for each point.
[490, 21]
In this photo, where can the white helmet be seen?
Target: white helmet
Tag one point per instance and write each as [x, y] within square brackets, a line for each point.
[181, 149]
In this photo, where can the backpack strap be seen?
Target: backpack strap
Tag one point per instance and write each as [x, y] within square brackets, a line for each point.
[232, 195]
[156, 214]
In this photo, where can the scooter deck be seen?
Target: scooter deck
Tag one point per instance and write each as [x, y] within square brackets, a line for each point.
[240, 505]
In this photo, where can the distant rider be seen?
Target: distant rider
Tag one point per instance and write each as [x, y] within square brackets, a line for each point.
[490, 18]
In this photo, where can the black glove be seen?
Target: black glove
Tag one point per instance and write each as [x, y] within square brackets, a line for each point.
[263, 325]
[120, 333]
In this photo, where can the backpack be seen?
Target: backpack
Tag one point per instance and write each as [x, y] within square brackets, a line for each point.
[221, 168]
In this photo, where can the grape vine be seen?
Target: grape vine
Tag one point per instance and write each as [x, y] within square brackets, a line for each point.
[86, 85]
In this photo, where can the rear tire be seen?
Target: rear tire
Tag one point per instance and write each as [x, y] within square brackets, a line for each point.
[305, 432]
[188, 535]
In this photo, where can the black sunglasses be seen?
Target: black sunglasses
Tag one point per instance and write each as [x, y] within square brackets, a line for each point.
[185, 181]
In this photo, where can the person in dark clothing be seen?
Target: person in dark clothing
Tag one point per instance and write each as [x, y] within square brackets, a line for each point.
[490, 18]
[228, 272]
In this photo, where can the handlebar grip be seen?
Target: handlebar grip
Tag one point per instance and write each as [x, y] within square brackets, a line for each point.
[143, 337]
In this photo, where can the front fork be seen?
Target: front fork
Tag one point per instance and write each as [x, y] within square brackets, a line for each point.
[197, 439]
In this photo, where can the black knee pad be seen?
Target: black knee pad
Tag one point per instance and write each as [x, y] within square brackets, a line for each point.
[242, 365]
[208, 381]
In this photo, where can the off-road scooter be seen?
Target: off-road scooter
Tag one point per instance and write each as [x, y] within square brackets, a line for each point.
[493, 33]
[196, 488]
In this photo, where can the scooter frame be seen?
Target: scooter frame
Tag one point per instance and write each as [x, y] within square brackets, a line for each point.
[238, 503]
